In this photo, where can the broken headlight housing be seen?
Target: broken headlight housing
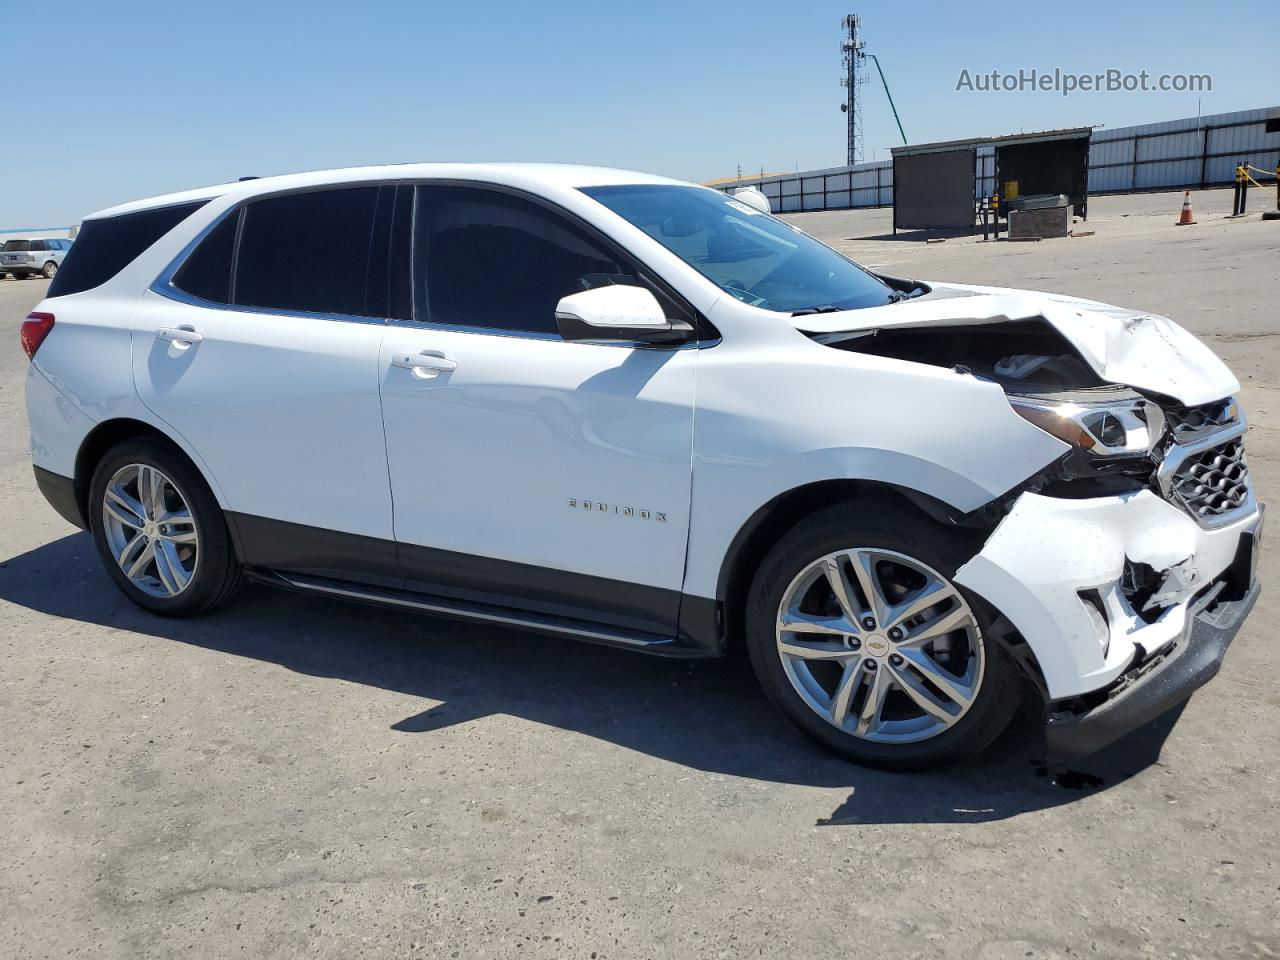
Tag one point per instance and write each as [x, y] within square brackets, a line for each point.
[1114, 435]
[1123, 425]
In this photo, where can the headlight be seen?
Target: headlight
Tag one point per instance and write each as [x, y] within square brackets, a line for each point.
[1111, 428]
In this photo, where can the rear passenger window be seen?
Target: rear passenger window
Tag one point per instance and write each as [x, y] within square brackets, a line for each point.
[207, 271]
[489, 259]
[37, 246]
[106, 246]
[309, 252]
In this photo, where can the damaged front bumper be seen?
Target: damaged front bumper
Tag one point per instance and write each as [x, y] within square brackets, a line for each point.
[1062, 572]
[1153, 687]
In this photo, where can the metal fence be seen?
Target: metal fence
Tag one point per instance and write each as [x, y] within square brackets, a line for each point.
[1195, 152]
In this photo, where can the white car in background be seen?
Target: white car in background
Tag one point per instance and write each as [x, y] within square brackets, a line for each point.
[634, 411]
[33, 256]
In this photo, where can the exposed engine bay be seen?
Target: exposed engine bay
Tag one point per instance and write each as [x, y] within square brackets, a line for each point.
[1029, 353]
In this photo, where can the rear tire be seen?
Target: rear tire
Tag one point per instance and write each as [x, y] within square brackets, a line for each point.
[159, 530]
[868, 679]
[49, 271]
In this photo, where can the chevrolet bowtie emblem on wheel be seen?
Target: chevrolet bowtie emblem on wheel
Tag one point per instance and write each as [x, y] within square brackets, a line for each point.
[617, 509]
[876, 646]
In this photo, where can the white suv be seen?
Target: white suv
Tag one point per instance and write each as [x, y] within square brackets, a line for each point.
[638, 412]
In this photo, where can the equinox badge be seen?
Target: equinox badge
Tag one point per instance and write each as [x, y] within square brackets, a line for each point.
[616, 509]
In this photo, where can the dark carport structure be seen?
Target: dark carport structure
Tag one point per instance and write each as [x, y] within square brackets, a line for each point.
[936, 186]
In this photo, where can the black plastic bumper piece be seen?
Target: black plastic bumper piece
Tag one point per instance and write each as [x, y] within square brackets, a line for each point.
[60, 491]
[1156, 688]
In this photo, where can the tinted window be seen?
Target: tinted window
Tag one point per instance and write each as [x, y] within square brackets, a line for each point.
[488, 259]
[308, 252]
[37, 246]
[17, 246]
[206, 273]
[105, 247]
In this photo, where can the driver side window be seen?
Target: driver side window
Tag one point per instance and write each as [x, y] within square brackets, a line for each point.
[485, 258]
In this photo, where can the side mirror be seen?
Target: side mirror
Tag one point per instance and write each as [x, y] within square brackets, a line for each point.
[618, 313]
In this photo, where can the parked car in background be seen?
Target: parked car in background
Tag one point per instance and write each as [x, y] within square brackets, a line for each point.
[469, 390]
[34, 255]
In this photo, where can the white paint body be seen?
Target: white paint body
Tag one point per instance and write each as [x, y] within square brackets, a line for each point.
[310, 420]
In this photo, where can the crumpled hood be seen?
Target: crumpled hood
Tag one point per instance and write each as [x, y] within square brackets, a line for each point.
[1130, 347]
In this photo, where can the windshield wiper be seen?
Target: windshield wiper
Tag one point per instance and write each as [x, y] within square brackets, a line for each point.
[895, 296]
[825, 308]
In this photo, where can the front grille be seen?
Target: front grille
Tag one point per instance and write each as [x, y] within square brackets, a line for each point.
[1186, 422]
[1214, 482]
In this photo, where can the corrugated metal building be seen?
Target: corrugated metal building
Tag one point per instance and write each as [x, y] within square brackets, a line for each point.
[1195, 152]
[935, 184]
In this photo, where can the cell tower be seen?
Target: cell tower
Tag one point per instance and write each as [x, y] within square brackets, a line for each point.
[851, 50]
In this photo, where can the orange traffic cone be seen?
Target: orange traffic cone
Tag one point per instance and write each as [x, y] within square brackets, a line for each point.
[1185, 219]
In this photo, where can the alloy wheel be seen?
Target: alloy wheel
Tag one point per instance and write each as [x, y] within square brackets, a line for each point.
[880, 645]
[150, 530]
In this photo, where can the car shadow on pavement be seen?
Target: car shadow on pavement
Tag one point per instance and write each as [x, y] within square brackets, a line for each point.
[923, 235]
[708, 715]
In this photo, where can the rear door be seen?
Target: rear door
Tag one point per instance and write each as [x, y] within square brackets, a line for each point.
[262, 352]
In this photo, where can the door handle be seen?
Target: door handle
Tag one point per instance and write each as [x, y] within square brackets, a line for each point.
[179, 336]
[427, 364]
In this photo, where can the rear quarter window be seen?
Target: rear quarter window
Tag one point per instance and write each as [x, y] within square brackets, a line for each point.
[206, 273]
[106, 246]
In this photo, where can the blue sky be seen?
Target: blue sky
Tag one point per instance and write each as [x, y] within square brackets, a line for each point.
[126, 99]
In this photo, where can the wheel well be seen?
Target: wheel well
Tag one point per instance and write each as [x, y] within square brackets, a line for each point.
[101, 439]
[775, 518]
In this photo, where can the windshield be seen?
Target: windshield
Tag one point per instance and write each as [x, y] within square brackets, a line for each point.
[756, 257]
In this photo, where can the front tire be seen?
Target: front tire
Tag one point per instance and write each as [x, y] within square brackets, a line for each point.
[859, 634]
[159, 530]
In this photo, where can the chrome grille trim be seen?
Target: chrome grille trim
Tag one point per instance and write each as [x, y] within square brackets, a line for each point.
[1209, 476]
[1188, 422]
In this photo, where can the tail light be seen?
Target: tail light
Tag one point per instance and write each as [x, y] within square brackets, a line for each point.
[34, 329]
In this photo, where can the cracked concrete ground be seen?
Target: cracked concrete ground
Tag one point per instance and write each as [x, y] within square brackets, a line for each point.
[298, 777]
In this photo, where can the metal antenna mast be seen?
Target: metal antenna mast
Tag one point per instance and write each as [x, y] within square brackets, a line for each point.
[851, 50]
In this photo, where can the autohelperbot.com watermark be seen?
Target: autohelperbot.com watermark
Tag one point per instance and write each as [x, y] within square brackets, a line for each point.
[1066, 82]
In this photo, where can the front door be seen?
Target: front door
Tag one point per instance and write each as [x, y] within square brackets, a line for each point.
[527, 471]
